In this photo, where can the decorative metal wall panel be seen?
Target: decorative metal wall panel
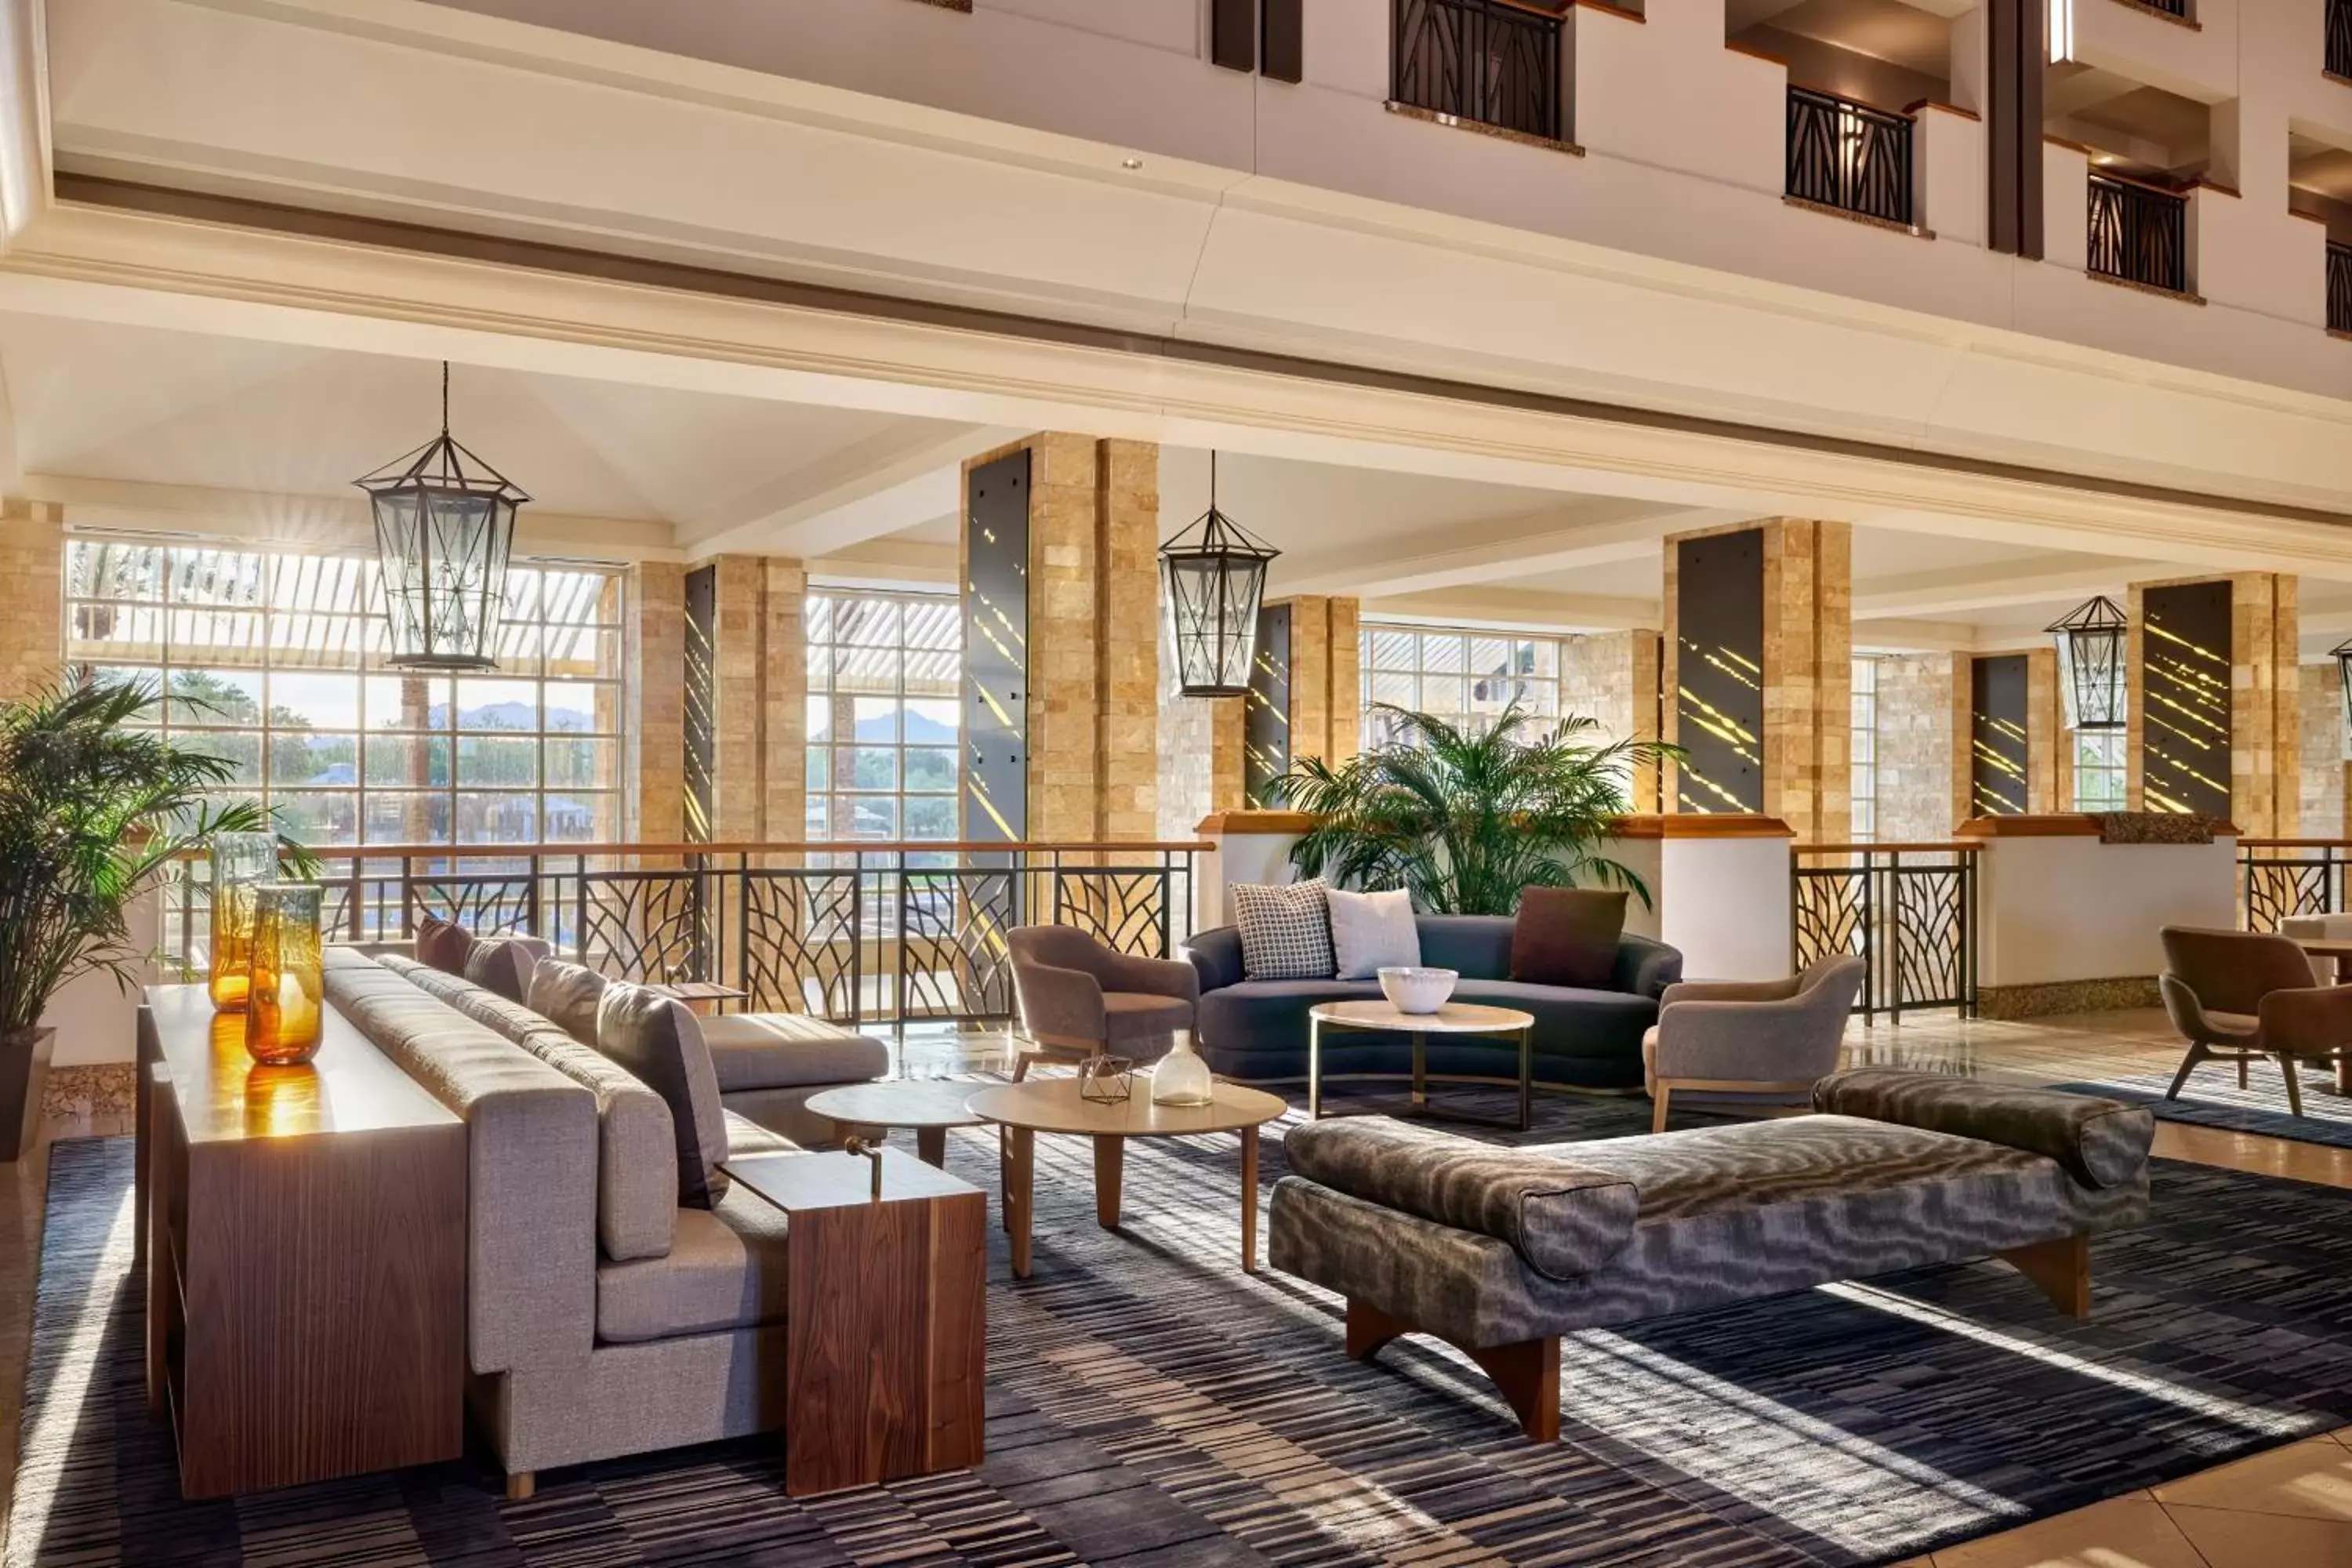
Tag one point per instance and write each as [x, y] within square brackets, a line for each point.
[996, 652]
[701, 702]
[1266, 717]
[1719, 676]
[2184, 692]
[1997, 738]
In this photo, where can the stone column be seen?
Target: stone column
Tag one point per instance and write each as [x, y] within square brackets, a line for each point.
[760, 701]
[2049, 755]
[2265, 718]
[1326, 677]
[1613, 678]
[2323, 768]
[32, 586]
[783, 701]
[1926, 746]
[654, 650]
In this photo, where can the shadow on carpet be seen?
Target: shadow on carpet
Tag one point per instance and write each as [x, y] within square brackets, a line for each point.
[1149, 1404]
[2212, 1098]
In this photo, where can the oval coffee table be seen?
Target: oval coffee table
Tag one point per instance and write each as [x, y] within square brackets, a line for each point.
[1054, 1105]
[1454, 1019]
[930, 1106]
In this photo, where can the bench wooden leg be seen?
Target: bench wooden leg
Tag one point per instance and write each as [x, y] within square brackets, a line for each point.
[1526, 1374]
[2062, 1268]
[520, 1485]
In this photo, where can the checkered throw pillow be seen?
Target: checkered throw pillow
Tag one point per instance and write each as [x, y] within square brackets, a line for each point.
[1286, 931]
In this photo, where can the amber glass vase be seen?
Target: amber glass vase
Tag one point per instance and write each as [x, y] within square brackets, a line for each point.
[283, 1020]
[241, 862]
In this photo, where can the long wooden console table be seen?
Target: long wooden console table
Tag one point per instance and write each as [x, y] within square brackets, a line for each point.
[305, 1262]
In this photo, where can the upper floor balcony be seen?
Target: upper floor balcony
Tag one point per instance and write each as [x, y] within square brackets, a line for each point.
[1489, 62]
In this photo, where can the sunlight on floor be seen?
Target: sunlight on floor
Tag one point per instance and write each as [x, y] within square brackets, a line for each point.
[49, 1428]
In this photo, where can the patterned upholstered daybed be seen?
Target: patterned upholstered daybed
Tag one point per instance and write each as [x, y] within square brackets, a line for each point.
[1500, 1251]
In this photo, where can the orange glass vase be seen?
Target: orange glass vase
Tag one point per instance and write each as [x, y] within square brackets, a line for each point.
[284, 1017]
[241, 862]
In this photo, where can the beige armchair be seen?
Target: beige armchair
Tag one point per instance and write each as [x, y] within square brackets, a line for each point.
[1749, 1045]
[1079, 998]
[2239, 997]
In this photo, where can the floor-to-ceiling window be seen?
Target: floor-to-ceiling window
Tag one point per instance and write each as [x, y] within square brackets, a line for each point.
[1864, 750]
[274, 659]
[2099, 769]
[885, 693]
[1461, 676]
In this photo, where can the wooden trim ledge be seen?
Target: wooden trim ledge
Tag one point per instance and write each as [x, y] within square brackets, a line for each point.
[1231, 822]
[2061, 825]
[1702, 824]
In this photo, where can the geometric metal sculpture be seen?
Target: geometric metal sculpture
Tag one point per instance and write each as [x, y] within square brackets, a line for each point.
[2092, 646]
[444, 531]
[1215, 575]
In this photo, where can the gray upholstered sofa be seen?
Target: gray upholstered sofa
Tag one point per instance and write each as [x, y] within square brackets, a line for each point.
[601, 1317]
[1500, 1251]
[1256, 1030]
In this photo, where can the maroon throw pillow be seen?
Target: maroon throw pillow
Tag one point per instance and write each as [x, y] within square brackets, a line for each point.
[1567, 936]
[444, 946]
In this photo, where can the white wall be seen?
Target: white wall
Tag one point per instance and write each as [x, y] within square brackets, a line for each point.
[97, 1020]
[2065, 909]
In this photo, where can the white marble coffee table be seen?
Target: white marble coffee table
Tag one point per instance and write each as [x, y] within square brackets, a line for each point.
[1454, 1019]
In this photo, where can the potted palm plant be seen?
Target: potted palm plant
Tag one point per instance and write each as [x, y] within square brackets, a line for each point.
[95, 802]
[1464, 818]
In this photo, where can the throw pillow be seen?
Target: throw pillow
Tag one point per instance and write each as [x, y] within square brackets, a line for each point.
[659, 1042]
[566, 995]
[443, 945]
[1567, 936]
[503, 964]
[1372, 932]
[1286, 931]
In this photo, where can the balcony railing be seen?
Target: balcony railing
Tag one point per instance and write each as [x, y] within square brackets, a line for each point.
[1908, 910]
[2169, 7]
[2282, 877]
[2339, 37]
[2339, 287]
[1850, 157]
[859, 933]
[2138, 232]
[1482, 60]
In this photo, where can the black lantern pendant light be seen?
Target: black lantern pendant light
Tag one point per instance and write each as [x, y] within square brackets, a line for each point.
[2092, 646]
[1215, 575]
[444, 530]
[2342, 654]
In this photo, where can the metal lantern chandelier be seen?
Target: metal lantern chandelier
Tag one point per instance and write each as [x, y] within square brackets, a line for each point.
[2342, 654]
[1215, 576]
[2092, 644]
[444, 530]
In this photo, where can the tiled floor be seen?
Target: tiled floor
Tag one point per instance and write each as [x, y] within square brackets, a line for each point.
[2281, 1509]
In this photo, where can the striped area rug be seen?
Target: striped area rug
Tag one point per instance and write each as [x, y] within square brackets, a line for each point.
[2212, 1098]
[1150, 1405]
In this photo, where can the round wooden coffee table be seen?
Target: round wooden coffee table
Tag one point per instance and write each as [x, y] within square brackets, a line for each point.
[1054, 1105]
[1454, 1019]
[930, 1106]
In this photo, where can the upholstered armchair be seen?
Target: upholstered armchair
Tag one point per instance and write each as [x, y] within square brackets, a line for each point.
[1079, 998]
[1749, 1045]
[2240, 996]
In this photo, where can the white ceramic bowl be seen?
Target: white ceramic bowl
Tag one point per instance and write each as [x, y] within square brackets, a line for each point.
[1417, 990]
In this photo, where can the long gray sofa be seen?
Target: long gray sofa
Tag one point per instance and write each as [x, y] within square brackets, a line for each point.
[1501, 1251]
[603, 1317]
[1256, 1030]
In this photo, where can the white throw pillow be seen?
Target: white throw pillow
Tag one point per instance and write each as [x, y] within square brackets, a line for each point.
[1286, 932]
[1372, 932]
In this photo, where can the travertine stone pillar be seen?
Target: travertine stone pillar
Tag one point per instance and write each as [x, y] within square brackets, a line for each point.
[2049, 757]
[2323, 767]
[1925, 735]
[783, 702]
[1326, 678]
[654, 647]
[2265, 713]
[32, 578]
[759, 707]
[1612, 677]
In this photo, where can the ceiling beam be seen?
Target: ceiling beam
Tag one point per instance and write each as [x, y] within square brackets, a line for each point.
[1930, 595]
[1519, 609]
[882, 485]
[1599, 533]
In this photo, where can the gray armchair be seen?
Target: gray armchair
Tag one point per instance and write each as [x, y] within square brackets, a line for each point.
[2240, 996]
[1080, 999]
[1760, 1044]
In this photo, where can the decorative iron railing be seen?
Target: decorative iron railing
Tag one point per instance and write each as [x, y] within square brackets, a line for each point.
[1908, 910]
[2339, 287]
[854, 933]
[1849, 156]
[2339, 37]
[2139, 233]
[2282, 877]
[1484, 60]
[2169, 7]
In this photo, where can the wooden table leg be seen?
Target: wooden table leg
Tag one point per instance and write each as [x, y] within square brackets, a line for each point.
[1020, 1171]
[1110, 1164]
[1314, 1067]
[1420, 1071]
[1249, 1200]
[931, 1144]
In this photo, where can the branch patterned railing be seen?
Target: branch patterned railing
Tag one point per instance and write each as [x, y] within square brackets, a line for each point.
[2339, 287]
[2278, 878]
[1850, 157]
[1908, 910]
[2339, 37]
[2139, 233]
[858, 933]
[1486, 60]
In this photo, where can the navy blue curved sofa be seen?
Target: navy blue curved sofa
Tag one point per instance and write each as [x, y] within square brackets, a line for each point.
[1256, 1030]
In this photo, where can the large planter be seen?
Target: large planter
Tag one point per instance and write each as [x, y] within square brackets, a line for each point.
[24, 1072]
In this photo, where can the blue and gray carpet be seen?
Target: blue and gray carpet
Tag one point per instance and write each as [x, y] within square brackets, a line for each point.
[1150, 1405]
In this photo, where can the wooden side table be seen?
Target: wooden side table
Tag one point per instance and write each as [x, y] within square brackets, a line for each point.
[886, 1317]
[306, 1266]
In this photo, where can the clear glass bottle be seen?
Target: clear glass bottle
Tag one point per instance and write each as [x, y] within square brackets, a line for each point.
[1182, 1077]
